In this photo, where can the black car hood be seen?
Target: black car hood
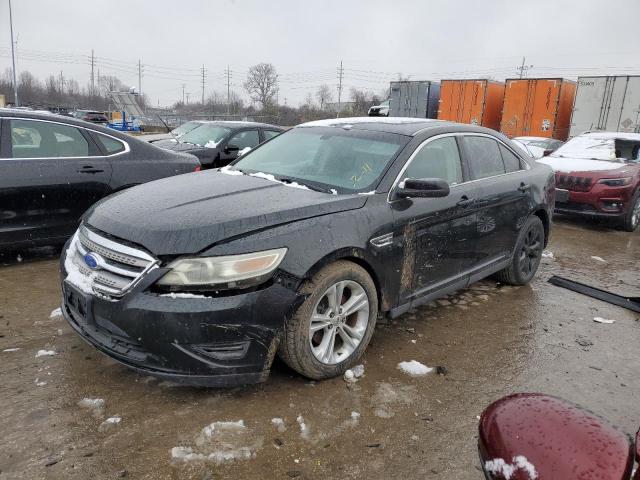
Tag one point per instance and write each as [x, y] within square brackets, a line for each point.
[175, 146]
[188, 213]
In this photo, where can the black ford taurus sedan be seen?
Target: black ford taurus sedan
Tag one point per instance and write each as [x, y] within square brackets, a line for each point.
[53, 168]
[297, 248]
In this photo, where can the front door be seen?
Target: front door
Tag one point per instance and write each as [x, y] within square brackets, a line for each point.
[244, 140]
[438, 233]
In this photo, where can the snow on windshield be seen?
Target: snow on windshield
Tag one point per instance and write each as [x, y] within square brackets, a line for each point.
[588, 147]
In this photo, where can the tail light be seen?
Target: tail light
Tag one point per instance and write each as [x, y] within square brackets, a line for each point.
[198, 168]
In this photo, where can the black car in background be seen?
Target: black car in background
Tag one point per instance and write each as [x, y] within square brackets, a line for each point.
[299, 245]
[53, 168]
[217, 143]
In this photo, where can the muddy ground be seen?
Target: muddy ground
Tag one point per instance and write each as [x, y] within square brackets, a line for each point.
[492, 340]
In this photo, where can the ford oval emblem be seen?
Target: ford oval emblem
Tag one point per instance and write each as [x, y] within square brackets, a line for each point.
[92, 260]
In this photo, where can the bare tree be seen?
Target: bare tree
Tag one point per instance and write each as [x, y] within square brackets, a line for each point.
[262, 84]
[308, 102]
[362, 101]
[324, 95]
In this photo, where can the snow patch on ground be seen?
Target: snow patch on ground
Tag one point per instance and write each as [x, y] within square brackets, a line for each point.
[598, 259]
[388, 395]
[219, 442]
[56, 313]
[45, 353]
[304, 429]
[547, 254]
[91, 403]
[10, 349]
[227, 170]
[414, 368]
[109, 424]
[498, 466]
[182, 295]
[352, 375]
[279, 424]
[602, 320]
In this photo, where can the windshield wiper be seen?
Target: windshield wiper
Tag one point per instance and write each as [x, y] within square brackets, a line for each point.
[310, 186]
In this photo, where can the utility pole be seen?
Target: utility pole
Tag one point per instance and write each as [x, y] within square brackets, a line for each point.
[93, 80]
[228, 72]
[340, 74]
[203, 75]
[61, 82]
[183, 85]
[188, 98]
[139, 78]
[523, 68]
[13, 60]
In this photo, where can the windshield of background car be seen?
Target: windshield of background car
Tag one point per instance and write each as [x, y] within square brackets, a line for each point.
[348, 161]
[185, 128]
[593, 147]
[206, 135]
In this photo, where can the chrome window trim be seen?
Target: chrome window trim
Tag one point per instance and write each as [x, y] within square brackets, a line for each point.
[457, 134]
[127, 149]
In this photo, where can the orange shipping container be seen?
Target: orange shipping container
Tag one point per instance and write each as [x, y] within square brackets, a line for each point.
[538, 107]
[478, 102]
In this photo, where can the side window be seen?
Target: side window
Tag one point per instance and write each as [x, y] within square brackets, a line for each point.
[110, 145]
[269, 134]
[437, 159]
[31, 139]
[248, 138]
[484, 157]
[511, 162]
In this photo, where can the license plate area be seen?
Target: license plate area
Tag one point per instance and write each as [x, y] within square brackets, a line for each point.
[562, 195]
[79, 303]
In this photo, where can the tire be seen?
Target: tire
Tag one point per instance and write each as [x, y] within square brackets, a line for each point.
[305, 351]
[526, 255]
[632, 218]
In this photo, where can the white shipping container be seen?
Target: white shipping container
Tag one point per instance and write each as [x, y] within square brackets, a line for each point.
[606, 103]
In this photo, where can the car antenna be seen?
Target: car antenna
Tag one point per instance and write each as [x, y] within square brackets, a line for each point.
[167, 127]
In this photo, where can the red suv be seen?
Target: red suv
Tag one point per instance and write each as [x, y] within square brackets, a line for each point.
[598, 175]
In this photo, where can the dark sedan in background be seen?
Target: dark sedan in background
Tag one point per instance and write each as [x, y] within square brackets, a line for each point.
[217, 143]
[53, 168]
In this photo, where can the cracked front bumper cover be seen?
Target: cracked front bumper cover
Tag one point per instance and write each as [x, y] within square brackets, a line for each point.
[203, 341]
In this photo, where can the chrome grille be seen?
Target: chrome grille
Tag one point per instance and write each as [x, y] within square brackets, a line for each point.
[571, 182]
[118, 267]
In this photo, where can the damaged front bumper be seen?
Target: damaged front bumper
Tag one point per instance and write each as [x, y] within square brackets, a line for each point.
[196, 340]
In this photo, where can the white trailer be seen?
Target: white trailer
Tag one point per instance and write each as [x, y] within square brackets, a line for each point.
[606, 103]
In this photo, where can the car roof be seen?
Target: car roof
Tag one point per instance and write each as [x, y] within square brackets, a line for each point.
[240, 124]
[612, 135]
[399, 125]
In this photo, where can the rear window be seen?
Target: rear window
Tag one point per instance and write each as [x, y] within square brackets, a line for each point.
[485, 159]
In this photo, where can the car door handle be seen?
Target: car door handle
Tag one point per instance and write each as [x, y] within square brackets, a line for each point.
[465, 201]
[89, 169]
[524, 187]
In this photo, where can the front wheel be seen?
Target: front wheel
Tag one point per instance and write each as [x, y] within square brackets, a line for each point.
[527, 254]
[331, 329]
[632, 218]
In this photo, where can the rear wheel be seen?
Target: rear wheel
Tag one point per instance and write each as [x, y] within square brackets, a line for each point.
[527, 254]
[632, 218]
[331, 329]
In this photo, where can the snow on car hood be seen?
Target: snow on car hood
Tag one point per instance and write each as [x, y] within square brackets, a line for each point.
[568, 165]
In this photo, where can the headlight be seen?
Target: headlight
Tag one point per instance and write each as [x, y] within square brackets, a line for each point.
[615, 182]
[232, 271]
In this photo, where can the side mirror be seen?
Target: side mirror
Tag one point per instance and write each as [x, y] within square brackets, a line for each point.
[231, 148]
[547, 152]
[422, 188]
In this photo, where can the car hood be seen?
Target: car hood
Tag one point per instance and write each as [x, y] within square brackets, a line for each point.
[188, 213]
[571, 165]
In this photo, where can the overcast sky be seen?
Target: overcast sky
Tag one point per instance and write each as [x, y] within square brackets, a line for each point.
[305, 40]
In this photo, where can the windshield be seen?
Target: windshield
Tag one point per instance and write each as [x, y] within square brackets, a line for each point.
[536, 143]
[385, 103]
[595, 148]
[346, 161]
[185, 128]
[206, 135]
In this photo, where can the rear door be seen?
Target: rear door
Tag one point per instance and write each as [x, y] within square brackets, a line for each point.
[439, 233]
[504, 196]
[245, 140]
[51, 173]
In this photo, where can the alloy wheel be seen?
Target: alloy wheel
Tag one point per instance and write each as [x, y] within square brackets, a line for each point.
[339, 322]
[635, 213]
[531, 251]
